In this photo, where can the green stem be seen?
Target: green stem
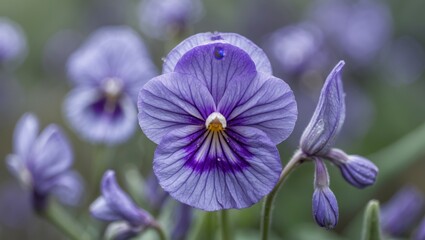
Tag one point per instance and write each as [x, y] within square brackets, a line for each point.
[225, 233]
[58, 217]
[295, 161]
[161, 234]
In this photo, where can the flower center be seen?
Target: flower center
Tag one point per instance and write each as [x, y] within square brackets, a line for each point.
[112, 88]
[216, 122]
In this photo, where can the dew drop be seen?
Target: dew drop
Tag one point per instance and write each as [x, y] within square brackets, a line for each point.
[219, 159]
[218, 53]
[164, 59]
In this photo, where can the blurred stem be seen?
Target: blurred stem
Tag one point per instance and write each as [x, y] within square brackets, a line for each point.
[102, 160]
[371, 222]
[161, 234]
[60, 218]
[202, 227]
[225, 233]
[295, 161]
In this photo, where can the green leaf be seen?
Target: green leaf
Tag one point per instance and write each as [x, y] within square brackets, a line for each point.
[371, 222]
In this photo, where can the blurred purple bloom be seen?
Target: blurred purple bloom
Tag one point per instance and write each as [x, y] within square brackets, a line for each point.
[217, 114]
[359, 29]
[116, 206]
[401, 211]
[12, 41]
[403, 61]
[296, 47]
[108, 70]
[166, 18]
[155, 195]
[42, 162]
[357, 170]
[327, 120]
[183, 219]
[420, 232]
[325, 205]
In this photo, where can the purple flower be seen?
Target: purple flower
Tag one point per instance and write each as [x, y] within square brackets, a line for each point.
[12, 41]
[165, 18]
[108, 71]
[116, 206]
[217, 114]
[401, 211]
[42, 162]
[325, 205]
[297, 47]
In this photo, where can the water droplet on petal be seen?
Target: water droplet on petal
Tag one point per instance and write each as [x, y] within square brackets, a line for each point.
[219, 53]
[219, 159]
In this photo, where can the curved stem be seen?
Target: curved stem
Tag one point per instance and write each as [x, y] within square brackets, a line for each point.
[295, 161]
[161, 234]
[225, 233]
[58, 217]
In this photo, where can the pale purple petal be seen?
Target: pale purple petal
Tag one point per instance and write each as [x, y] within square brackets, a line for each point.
[69, 188]
[212, 171]
[420, 232]
[26, 132]
[327, 120]
[18, 169]
[50, 157]
[171, 101]
[100, 209]
[112, 53]
[120, 202]
[122, 230]
[91, 115]
[266, 103]
[257, 55]
[217, 65]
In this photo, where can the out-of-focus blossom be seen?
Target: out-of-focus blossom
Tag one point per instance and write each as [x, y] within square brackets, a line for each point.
[12, 41]
[317, 143]
[359, 29]
[325, 205]
[108, 71]
[297, 47]
[155, 195]
[114, 205]
[167, 18]
[403, 62]
[42, 163]
[401, 211]
[420, 231]
[217, 140]
[183, 220]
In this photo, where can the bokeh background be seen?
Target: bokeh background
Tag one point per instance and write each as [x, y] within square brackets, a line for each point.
[382, 42]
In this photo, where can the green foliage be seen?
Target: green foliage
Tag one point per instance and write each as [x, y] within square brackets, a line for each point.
[371, 222]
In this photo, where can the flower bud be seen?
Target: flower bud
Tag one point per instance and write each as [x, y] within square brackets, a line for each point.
[325, 205]
[356, 170]
[327, 120]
